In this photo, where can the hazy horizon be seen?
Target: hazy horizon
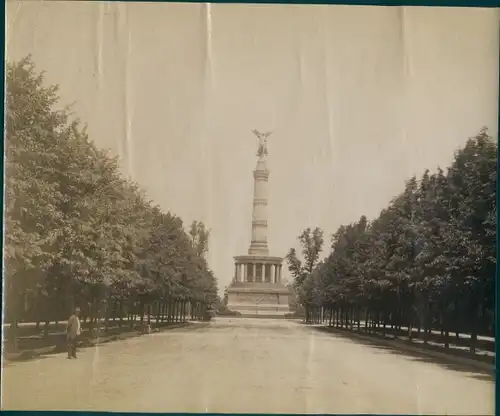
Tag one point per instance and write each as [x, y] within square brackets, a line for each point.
[359, 100]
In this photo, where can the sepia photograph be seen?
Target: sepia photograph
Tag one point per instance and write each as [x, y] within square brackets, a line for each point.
[250, 208]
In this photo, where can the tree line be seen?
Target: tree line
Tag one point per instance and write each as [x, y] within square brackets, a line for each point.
[77, 233]
[427, 262]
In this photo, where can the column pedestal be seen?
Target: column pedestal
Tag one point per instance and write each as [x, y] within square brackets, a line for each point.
[265, 297]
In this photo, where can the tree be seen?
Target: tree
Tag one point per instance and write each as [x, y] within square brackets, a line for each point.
[427, 260]
[199, 237]
[31, 216]
[77, 232]
[312, 245]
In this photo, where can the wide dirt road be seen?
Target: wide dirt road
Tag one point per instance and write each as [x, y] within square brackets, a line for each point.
[244, 365]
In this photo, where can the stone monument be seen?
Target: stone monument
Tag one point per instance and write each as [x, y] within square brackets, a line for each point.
[256, 289]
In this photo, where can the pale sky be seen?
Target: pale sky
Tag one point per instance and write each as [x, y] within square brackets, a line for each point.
[359, 99]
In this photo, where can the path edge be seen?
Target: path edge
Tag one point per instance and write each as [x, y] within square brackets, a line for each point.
[413, 348]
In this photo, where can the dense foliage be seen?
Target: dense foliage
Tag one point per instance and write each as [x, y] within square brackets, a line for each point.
[428, 260]
[311, 242]
[77, 232]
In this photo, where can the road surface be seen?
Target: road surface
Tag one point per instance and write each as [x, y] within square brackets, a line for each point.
[245, 365]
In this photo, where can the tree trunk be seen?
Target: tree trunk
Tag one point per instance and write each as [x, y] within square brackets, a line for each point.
[473, 342]
[410, 323]
[91, 321]
[446, 329]
[473, 329]
[142, 311]
[426, 322]
[397, 319]
[120, 312]
[13, 334]
[419, 321]
[114, 311]
[131, 313]
[46, 329]
[107, 312]
[158, 312]
[441, 323]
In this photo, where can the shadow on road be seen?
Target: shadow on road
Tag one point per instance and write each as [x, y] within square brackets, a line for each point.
[12, 363]
[468, 369]
[191, 326]
[60, 346]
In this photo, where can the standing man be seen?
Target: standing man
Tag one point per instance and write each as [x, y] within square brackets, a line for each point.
[72, 333]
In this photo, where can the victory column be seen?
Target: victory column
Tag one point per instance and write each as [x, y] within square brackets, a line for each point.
[256, 289]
